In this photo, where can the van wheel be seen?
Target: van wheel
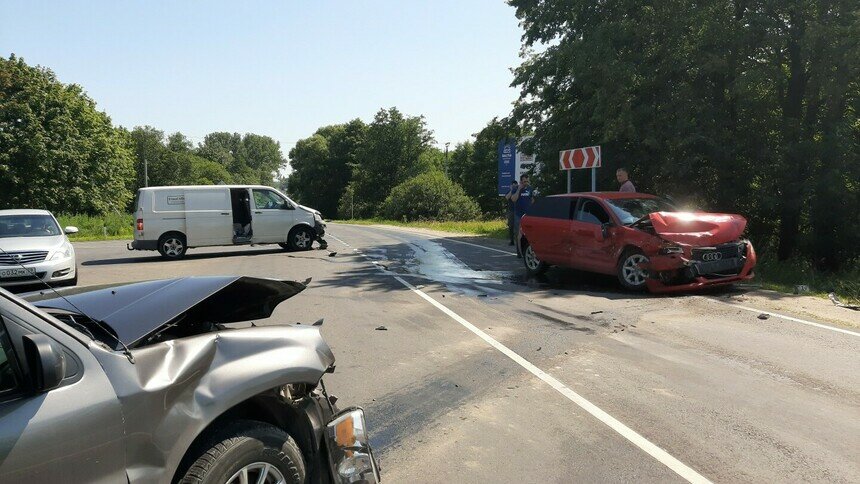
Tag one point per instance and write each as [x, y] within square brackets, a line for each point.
[534, 266]
[301, 238]
[172, 246]
[247, 451]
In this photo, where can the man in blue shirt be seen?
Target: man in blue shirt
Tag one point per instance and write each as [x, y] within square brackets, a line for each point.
[522, 199]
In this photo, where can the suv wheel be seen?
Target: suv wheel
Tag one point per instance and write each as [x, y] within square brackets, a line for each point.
[247, 451]
[534, 266]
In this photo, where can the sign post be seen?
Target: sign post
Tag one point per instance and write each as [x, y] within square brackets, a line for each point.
[578, 159]
[513, 162]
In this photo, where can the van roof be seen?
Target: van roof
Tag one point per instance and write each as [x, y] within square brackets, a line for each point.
[186, 187]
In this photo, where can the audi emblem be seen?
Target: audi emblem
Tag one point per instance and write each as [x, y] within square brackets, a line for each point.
[712, 256]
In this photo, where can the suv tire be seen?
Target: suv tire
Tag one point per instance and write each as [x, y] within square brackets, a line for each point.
[245, 445]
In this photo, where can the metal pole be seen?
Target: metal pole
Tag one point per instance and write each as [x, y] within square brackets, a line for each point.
[145, 173]
[569, 180]
[352, 204]
[594, 179]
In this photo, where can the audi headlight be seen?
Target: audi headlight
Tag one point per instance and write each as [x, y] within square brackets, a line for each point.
[64, 252]
[670, 249]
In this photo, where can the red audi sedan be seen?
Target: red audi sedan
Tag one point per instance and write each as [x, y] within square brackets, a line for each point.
[642, 239]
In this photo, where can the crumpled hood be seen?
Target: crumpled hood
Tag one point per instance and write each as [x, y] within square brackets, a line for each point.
[135, 310]
[698, 229]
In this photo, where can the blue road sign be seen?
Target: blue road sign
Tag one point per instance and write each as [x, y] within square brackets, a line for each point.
[507, 156]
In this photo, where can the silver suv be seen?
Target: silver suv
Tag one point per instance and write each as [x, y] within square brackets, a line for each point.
[160, 382]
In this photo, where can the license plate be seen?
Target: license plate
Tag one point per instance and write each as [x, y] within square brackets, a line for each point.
[16, 272]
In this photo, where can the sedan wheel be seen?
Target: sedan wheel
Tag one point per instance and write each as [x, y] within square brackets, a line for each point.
[630, 274]
[534, 266]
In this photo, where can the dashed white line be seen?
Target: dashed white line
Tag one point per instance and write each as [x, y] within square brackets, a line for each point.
[631, 435]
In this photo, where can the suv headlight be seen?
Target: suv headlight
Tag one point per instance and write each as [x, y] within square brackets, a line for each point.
[64, 252]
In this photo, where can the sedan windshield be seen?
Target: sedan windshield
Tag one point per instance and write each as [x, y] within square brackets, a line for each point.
[630, 210]
[28, 226]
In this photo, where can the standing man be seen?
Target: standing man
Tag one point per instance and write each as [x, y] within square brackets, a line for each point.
[624, 179]
[510, 206]
[522, 199]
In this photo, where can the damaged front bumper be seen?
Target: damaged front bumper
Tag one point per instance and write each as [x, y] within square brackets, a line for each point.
[681, 272]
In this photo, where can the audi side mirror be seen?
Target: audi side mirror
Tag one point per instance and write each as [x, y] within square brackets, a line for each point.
[45, 360]
[604, 230]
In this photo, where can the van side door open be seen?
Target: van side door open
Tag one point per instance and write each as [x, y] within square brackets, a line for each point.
[273, 216]
[208, 217]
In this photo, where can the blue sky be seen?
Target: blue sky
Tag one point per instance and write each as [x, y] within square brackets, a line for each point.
[276, 68]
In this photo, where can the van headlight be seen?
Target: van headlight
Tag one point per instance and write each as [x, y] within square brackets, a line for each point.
[64, 252]
[317, 217]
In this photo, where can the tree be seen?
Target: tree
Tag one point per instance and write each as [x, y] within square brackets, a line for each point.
[737, 106]
[429, 196]
[389, 155]
[322, 165]
[57, 151]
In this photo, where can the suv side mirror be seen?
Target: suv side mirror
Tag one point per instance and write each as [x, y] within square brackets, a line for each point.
[604, 230]
[46, 362]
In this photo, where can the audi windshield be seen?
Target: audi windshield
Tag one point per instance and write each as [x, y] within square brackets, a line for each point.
[629, 210]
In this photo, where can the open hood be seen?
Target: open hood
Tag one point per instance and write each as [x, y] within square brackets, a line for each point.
[698, 228]
[134, 311]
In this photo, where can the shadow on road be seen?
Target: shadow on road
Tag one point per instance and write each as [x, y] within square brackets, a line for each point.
[190, 256]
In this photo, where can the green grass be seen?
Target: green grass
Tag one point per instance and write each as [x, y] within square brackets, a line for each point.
[496, 229]
[115, 226]
[784, 276]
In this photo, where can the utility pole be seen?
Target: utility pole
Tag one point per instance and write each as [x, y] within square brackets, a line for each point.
[145, 173]
[446, 157]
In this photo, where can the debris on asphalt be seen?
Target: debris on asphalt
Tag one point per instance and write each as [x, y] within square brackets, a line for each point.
[801, 289]
[482, 295]
[381, 328]
[596, 312]
[763, 316]
[332, 254]
[835, 300]
[539, 347]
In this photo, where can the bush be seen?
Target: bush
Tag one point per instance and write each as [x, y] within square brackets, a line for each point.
[95, 227]
[429, 196]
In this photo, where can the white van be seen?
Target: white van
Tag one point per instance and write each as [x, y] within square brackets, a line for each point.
[172, 220]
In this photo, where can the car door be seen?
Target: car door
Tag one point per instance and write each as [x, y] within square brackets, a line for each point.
[208, 217]
[71, 433]
[272, 216]
[591, 251]
[547, 225]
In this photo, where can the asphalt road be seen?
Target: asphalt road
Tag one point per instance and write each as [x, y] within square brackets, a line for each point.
[480, 375]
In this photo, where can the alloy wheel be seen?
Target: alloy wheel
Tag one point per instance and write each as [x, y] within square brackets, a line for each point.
[173, 247]
[631, 271]
[257, 473]
[532, 262]
[302, 239]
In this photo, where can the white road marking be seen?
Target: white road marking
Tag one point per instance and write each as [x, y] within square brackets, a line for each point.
[631, 435]
[789, 318]
[746, 308]
[398, 229]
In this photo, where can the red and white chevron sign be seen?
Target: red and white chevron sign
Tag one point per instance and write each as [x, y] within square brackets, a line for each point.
[579, 158]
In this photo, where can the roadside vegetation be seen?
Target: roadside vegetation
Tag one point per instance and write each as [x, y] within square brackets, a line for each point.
[112, 226]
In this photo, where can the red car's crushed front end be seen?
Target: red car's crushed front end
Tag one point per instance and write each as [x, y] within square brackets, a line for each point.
[697, 250]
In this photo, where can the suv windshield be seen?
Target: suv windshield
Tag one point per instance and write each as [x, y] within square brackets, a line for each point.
[28, 226]
[629, 210]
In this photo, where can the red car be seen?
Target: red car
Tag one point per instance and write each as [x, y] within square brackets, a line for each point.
[642, 239]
